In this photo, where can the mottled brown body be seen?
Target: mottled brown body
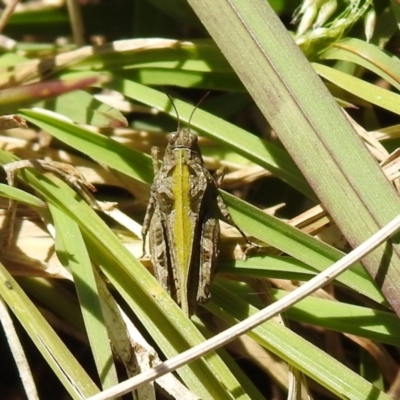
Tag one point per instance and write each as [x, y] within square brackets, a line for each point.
[182, 222]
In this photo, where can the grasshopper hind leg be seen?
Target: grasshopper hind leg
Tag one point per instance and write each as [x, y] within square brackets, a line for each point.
[159, 253]
[208, 257]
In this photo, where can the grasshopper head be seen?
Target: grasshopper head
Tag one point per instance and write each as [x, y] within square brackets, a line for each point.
[183, 138]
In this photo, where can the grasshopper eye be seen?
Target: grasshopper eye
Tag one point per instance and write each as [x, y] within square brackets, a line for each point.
[172, 137]
[193, 138]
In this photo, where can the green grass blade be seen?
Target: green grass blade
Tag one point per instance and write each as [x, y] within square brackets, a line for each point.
[303, 247]
[160, 315]
[97, 146]
[372, 93]
[295, 350]
[138, 166]
[366, 55]
[65, 366]
[83, 108]
[372, 324]
[261, 152]
[310, 125]
[72, 252]
[20, 195]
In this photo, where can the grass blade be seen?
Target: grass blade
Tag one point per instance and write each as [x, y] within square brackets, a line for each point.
[310, 125]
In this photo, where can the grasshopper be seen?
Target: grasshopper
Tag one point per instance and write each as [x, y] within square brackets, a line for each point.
[182, 221]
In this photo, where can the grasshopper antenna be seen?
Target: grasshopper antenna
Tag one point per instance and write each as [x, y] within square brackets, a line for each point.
[191, 115]
[196, 107]
[176, 111]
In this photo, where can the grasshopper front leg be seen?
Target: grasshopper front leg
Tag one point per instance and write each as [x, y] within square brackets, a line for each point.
[155, 151]
[147, 221]
[159, 253]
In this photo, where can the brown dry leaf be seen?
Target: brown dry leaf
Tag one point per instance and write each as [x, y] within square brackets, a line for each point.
[32, 70]
[244, 176]
[311, 221]
[12, 121]
[373, 145]
[316, 222]
[31, 252]
[390, 132]
[391, 165]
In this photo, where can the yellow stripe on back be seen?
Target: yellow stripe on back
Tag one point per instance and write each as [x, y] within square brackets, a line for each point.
[183, 226]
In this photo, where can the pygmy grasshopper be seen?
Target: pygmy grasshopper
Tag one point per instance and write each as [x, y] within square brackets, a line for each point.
[182, 221]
